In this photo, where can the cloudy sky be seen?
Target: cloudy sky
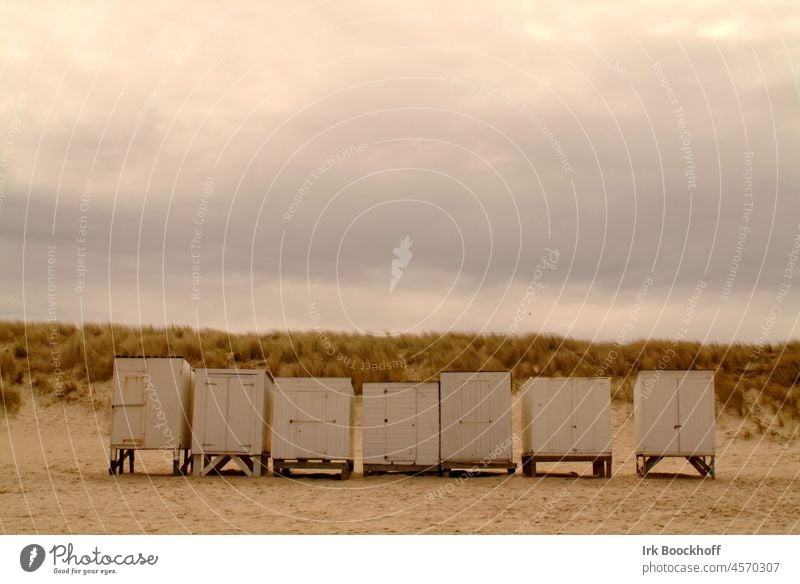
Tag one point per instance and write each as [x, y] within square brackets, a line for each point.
[610, 170]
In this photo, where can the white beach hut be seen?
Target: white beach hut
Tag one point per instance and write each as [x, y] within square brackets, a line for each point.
[476, 429]
[673, 412]
[400, 427]
[232, 411]
[313, 424]
[567, 419]
[151, 408]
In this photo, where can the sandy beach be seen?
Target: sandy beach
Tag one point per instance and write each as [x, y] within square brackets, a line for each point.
[54, 479]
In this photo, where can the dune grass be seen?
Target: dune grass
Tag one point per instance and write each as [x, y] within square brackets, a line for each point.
[63, 359]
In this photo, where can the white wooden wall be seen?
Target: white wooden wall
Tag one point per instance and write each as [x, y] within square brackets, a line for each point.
[313, 418]
[476, 417]
[230, 411]
[151, 403]
[674, 412]
[566, 415]
[401, 423]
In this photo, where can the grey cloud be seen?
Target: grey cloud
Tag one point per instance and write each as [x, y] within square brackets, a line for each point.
[153, 103]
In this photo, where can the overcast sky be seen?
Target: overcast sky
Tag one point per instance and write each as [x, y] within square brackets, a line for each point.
[609, 170]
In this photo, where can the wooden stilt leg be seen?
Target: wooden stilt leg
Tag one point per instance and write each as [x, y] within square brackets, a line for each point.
[650, 462]
[703, 466]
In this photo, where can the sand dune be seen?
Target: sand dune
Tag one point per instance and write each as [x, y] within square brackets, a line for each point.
[53, 479]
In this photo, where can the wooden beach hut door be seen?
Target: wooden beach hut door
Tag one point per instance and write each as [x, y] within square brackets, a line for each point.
[586, 412]
[309, 423]
[560, 416]
[400, 432]
[128, 414]
[476, 405]
[661, 405]
[228, 411]
[695, 433]
[215, 411]
[241, 392]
